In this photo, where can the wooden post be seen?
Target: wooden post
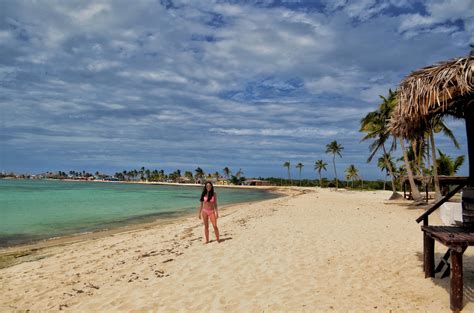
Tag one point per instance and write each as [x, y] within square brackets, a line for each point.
[428, 253]
[426, 189]
[469, 117]
[456, 292]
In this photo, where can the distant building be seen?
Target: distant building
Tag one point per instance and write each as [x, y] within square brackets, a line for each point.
[257, 182]
[183, 180]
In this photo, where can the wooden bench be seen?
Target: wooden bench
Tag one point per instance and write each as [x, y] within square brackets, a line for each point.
[457, 239]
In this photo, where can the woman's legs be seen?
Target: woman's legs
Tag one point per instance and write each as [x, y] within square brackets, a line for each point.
[206, 226]
[213, 219]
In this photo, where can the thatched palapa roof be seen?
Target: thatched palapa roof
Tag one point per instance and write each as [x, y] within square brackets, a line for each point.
[443, 88]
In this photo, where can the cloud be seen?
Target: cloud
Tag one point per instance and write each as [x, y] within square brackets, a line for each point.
[297, 132]
[437, 14]
[228, 83]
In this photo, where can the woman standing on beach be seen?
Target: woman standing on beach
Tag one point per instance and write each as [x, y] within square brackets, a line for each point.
[208, 210]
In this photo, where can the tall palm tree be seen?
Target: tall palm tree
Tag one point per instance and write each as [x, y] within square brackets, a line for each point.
[299, 166]
[287, 165]
[352, 173]
[320, 165]
[334, 148]
[376, 125]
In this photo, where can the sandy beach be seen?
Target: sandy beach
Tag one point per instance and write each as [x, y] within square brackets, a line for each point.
[312, 250]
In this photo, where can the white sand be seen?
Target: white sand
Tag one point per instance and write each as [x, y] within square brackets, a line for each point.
[316, 251]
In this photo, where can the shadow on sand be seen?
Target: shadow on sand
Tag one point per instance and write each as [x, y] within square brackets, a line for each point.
[468, 279]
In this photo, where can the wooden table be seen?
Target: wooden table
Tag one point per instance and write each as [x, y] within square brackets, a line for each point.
[457, 239]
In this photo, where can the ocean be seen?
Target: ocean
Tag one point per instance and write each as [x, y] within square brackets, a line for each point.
[32, 210]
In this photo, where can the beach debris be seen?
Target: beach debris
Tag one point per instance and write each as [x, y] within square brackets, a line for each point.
[90, 285]
[62, 306]
[168, 260]
[148, 254]
[242, 222]
[160, 274]
[134, 276]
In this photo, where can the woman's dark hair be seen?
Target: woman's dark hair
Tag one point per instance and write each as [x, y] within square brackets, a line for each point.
[204, 192]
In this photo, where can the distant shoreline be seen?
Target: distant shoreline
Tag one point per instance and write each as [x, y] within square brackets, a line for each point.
[152, 183]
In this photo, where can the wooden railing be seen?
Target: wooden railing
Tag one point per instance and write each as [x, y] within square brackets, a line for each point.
[424, 217]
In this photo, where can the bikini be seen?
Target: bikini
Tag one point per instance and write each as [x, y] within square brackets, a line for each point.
[209, 211]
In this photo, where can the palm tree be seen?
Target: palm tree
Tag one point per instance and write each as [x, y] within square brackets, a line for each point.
[287, 165]
[384, 167]
[376, 125]
[161, 175]
[239, 173]
[299, 166]
[446, 165]
[189, 175]
[352, 173]
[320, 165]
[415, 193]
[437, 125]
[334, 148]
[226, 171]
[199, 173]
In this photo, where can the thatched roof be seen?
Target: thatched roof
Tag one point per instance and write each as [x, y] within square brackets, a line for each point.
[443, 88]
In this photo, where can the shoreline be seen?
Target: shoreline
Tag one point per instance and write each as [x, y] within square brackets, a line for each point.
[16, 254]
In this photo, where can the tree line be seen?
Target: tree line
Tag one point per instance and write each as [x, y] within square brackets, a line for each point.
[420, 157]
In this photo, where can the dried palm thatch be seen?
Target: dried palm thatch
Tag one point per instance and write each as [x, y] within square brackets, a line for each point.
[443, 88]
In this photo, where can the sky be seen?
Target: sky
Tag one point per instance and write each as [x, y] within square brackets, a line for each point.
[108, 85]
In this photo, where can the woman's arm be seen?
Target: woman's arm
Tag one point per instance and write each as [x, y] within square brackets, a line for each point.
[200, 210]
[215, 205]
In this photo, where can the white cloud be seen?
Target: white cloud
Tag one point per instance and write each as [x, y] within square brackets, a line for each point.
[159, 76]
[372, 93]
[438, 12]
[101, 65]
[5, 36]
[89, 12]
[289, 132]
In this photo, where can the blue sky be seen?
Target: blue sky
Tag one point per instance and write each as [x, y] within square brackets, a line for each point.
[113, 85]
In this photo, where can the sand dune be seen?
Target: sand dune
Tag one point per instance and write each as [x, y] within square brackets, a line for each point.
[311, 250]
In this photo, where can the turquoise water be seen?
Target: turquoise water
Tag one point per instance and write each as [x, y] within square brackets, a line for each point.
[31, 210]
